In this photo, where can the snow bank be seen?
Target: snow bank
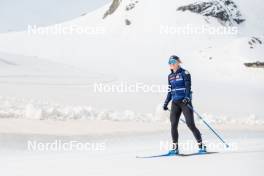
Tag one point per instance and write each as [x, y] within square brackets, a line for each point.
[41, 110]
[35, 109]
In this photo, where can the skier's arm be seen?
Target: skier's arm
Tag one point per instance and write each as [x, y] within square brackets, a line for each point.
[168, 98]
[187, 82]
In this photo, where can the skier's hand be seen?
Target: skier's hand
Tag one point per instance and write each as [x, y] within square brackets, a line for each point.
[186, 100]
[165, 107]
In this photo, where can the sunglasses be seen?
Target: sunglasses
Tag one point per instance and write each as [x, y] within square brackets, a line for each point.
[172, 61]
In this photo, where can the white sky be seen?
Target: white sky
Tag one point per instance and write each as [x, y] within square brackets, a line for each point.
[17, 14]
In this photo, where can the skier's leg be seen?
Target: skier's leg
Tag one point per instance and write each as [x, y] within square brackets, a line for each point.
[174, 119]
[188, 114]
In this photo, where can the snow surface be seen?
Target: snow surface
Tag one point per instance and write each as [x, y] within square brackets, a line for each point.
[119, 157]
[46, 85]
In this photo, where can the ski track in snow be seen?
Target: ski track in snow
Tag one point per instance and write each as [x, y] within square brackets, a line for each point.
[7, 62]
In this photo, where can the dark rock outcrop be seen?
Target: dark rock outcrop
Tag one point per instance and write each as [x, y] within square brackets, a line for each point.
[255, 64]
[254, 41]
[226, 11]
[115, 4]
[131, 5]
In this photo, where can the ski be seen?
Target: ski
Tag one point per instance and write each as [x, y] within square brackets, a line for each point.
[195, 154]
[180, 154]
[157, 156]
[170, 153]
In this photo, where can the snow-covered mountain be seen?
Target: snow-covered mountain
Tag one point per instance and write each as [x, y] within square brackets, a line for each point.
[136, 37]
[226, 11]
[145, 19]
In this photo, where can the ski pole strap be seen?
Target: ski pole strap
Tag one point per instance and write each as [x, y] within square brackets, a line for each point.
[200, 117]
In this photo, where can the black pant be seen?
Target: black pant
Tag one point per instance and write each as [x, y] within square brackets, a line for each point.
[176, 109]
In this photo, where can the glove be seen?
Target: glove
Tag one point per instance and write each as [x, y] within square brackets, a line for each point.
[186, 100]
[165, 107]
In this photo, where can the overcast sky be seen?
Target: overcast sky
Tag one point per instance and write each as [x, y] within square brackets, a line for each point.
[17, 14]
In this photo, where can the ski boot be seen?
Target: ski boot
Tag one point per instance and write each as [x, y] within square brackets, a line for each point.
[173, 152]
[202, 148]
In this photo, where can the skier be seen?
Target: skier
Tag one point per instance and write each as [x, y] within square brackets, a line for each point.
[179, 82]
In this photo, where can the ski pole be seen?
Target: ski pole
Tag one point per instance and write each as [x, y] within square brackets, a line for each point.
[180, 118]
[219, 137]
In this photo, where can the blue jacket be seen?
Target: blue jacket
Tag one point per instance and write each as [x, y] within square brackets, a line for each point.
[179, 86]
